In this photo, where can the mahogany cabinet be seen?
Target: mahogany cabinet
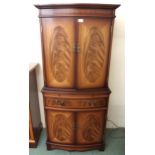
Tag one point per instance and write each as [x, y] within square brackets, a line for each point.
[35, 125]
[76, 46]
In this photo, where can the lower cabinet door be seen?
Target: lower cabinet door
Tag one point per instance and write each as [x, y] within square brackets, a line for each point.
[60, 126]
[90, 127]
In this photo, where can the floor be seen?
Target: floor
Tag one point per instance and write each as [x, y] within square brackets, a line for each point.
[115, 145]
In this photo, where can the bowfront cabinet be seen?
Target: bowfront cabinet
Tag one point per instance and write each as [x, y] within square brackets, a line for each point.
[76, 46]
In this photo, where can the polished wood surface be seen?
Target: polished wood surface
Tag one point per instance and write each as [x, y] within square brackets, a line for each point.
[93, 53]
[78, 5]
[31, 135]
[71, 62]
[48, 13]
[76, 103]
[70, 147]
[76, 47]
[32, 66]
[35, 124]
[58, 40]
[90, 127]
[60, 126]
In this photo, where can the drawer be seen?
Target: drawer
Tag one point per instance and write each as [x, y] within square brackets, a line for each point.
[75, 103]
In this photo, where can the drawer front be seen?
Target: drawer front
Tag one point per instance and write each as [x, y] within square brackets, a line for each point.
[75, 103]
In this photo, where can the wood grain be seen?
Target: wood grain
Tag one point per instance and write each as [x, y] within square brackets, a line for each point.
[76, 48]
[35, 125]
[89, 127]
[60, 126]
[76, 103]
[93, 55]
[31, 136]
[58, 40]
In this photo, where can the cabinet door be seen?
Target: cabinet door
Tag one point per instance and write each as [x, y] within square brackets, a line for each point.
[93, 53]
[58, 51]
[90, 126]
[60, 126]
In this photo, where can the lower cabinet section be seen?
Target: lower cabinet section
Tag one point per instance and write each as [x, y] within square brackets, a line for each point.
[75, 121]
[75, 128]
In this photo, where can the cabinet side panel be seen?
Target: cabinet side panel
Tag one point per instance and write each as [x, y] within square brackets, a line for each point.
[33, 100]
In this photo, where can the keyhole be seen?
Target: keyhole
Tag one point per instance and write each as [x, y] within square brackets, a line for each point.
[80, 20]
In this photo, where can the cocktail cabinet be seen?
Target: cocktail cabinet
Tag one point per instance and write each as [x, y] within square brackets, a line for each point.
[76, 46]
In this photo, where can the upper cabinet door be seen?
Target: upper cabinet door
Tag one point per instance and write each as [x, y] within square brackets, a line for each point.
[58, 51]
[93, 53]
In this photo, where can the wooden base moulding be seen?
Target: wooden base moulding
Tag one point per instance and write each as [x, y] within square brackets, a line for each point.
[51, 146]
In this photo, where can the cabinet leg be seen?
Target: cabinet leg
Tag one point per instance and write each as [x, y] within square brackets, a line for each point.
[48, 147]
[102, 148]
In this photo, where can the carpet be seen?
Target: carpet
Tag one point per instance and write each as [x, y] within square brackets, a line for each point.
[115, 145]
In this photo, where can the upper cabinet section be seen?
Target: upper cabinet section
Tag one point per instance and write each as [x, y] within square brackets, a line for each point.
[76, 44]
[73, 10]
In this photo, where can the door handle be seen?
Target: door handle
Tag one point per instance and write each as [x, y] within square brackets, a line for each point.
[76, 48]
[92, 103]
[59, 102]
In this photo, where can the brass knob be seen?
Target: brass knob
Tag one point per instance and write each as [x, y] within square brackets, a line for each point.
[76, 48]
[60, 102]
[92, 103]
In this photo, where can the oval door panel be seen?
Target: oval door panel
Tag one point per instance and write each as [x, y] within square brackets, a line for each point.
[93, 55]
[58, 43]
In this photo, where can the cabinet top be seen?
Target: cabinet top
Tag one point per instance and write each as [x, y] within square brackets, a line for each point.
[78, 5]
[32, 66]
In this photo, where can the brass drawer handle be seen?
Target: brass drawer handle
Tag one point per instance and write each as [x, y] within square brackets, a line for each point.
[92, 103]
[59, 102]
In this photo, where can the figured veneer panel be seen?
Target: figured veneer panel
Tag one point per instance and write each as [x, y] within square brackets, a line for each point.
[93, 55]
[90, 127]
[76, 48]
[58, 46]
[60, 126]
